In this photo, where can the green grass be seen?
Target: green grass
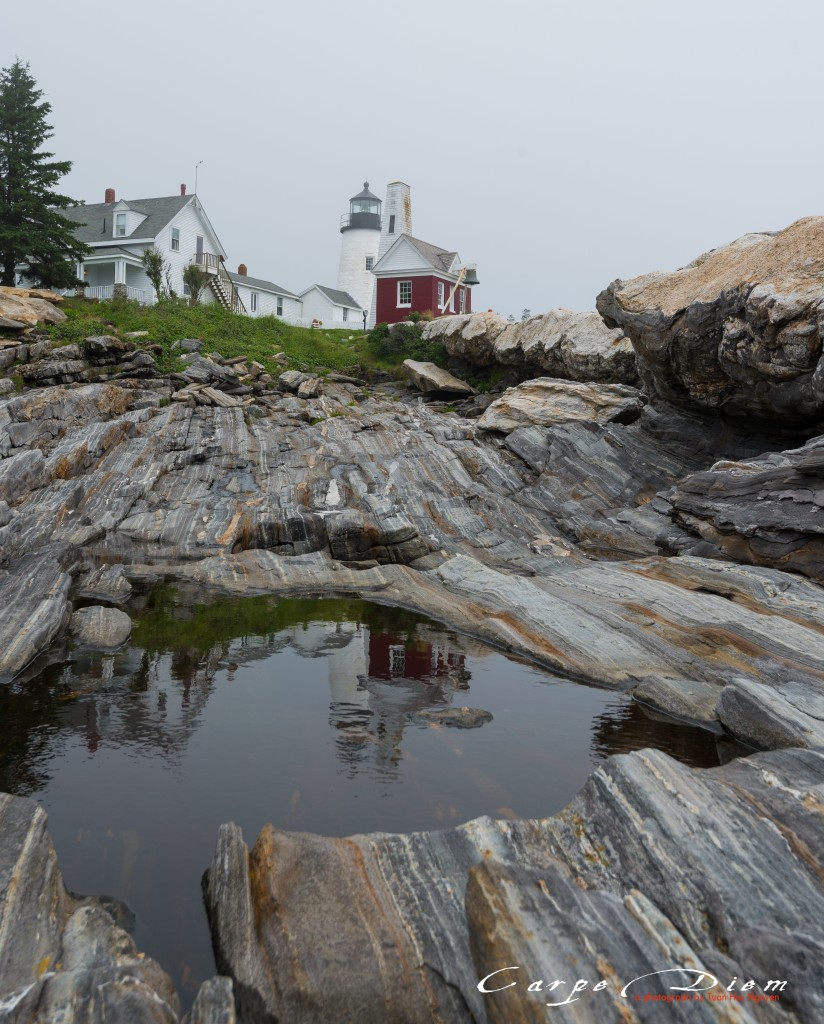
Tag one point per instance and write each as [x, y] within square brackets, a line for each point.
[229, 334]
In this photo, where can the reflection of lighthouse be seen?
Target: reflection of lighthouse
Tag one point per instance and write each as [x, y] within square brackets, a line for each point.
[360, 235]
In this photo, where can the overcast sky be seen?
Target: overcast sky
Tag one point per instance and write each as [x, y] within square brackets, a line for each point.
[557, 144]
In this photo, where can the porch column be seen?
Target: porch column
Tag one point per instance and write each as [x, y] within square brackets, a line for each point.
[120, 272]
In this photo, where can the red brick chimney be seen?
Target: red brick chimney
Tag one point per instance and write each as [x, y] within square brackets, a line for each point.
[183, 189]
[242, 271]
[109, 196]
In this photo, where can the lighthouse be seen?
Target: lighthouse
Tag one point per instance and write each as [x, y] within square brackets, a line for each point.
[360, 237]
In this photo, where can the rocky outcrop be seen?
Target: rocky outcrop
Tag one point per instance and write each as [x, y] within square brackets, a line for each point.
[561, 343]
[739, 329]
[765, 511]
[635, 877]
[548, 539]
[30, 306]
[431, 379]
[546, 402]
[64, 958]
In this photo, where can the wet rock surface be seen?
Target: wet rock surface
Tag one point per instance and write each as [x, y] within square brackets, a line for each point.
[739, 329]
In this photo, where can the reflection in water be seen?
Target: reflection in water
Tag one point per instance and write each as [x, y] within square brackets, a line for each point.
[299, 713]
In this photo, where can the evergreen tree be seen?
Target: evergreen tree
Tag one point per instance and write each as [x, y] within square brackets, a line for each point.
[34, 236]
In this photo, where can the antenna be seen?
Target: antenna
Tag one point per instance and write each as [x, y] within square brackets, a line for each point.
[196, 167]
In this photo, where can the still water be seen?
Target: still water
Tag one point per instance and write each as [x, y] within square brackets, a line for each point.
[295, 712]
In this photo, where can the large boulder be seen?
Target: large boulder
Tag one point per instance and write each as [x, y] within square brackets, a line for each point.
[433, 380]
[739, 329]
[30, 306]
[560, 343]
[546, 402]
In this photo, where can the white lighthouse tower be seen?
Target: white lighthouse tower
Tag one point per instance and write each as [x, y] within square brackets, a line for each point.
[360, 236]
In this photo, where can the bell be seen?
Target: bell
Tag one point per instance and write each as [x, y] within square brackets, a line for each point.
[471, 276]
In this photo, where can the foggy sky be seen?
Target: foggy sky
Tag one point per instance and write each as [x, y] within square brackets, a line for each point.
[557, 144]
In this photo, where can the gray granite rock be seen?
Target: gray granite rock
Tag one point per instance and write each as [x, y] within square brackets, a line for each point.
[98, 626]
[105, 583]
[765, 511]
[654, 866]
[784, 714]
[431, 379]
[546, 402]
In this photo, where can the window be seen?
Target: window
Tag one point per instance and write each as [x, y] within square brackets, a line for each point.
[176, 239]
[280, 306]
[345, 313]
[186, 290]
[462, 299]
[253, 302]
[452, 300]
[391, 223]
[370, 262]
[397, 659]
[441, 295]
[404, 293]
[120, 225]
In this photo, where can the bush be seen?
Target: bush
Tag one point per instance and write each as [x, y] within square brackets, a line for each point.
[404, 341]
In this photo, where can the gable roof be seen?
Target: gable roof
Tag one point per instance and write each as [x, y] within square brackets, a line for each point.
[439, 259]
[158, 212]
[259, 283]
[335, 296]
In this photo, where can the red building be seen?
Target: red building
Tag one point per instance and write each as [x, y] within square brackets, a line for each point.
[415, 277]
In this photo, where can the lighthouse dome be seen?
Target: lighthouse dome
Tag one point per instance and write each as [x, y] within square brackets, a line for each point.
[364, 211]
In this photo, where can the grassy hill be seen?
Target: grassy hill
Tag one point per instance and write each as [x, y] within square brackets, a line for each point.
[230, 334]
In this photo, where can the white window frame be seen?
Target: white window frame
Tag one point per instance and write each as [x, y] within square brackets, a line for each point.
[452, 300]
[280, 305]
[404, 305]
[441, 295]
[186, 290]
[391, 224]
[462, 299]
[253, 302]
[370, 262]
[175, 240]
[120, 222]
[345, 313]
[397, 659]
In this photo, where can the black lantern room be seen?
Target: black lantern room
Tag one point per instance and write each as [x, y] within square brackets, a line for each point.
[364, 211]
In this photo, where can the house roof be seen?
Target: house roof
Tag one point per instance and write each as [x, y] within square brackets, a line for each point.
[335, 296]
[112, 250]
[259, 283]
[439, 259]
[158, 213]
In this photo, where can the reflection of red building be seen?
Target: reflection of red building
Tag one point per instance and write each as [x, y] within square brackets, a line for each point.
[393, 658]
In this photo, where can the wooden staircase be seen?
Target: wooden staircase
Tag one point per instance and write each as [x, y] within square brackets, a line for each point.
[222, 286]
